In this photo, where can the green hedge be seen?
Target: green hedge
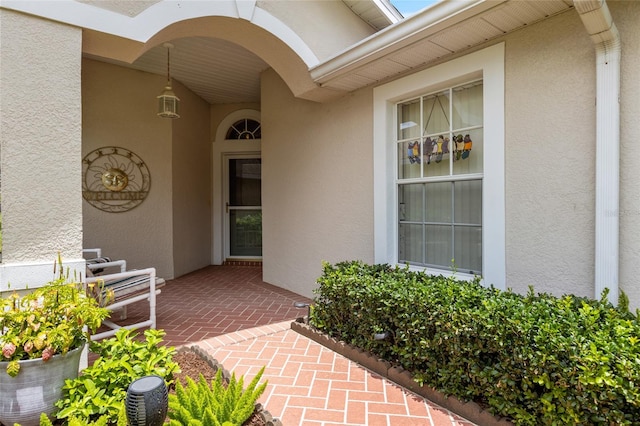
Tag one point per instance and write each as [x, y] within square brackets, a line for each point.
[536, 359]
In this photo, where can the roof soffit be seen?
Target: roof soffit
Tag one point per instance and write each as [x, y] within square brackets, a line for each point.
[441, 31]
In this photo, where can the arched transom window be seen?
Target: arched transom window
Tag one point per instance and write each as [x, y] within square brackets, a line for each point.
[244, 129]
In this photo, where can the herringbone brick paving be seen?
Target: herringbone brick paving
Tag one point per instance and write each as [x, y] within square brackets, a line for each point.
[244, 323]
[217, 300]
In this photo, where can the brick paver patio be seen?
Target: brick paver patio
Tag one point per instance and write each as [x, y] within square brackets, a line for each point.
[244, 323]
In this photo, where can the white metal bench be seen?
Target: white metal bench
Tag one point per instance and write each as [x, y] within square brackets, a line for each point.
[122, 288]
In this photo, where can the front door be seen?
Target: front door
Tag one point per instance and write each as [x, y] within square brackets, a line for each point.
[243, 208]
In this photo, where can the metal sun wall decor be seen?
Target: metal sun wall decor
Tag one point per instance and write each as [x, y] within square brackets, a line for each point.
[114, 179]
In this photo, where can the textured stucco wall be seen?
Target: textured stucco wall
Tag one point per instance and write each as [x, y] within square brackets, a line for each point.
[40, 109]
[316, 184]
[327, 27]
[551, 125]
[550, 157]
[191, 184]
[119, 109]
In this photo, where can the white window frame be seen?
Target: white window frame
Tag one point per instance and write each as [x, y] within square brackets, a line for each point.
[487, 64]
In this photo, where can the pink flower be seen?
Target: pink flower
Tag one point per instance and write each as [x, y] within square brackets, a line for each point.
[47, 353]
[8, 350]
[28, 347]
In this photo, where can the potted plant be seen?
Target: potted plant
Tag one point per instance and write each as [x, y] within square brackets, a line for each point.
[42, 334]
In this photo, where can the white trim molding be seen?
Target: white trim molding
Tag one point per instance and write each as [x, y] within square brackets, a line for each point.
[29, 275]
[488, 64]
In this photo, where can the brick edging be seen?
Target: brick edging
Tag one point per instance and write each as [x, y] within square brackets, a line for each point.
[469, 410]
[267, 418]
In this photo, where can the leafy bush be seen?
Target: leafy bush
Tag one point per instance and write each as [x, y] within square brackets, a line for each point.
[535, 358]
[102, 421]
[215, 405]
[102, 387]
[49, 320]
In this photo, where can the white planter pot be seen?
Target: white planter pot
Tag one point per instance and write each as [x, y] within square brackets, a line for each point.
[36, 388]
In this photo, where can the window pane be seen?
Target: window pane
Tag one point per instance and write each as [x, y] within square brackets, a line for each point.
[409, 120]
[410, 244]
[245, 232]
[411, 206]
[469, 152]
[441, 221]
[438, 203]
[468, 202]
[245, 182]
[468, 252]
[436, 113]
[409, 160]
[244, 129]
[467, 105]
[439, 250]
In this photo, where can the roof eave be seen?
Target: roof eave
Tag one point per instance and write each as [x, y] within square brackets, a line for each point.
[424, 23]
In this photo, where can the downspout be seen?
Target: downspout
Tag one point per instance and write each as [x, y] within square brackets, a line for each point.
[597, 20]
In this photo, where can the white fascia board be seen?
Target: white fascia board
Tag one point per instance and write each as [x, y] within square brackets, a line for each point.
[423, 24]
[387, 9]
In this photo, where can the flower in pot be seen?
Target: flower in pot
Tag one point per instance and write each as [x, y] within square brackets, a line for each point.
[41, 329]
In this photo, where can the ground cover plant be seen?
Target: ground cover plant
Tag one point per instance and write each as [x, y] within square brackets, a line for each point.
[99, 393]
[535, 359]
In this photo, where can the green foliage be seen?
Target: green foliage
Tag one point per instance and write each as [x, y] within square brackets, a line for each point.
[47, 321]
[102, 421]
[536, 359]
[215, 405]
[102, 388]
[250, 221]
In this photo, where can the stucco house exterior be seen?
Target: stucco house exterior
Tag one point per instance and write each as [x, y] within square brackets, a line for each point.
[494, 135]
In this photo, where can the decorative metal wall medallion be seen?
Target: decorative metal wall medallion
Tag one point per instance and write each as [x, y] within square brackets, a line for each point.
[114, 179]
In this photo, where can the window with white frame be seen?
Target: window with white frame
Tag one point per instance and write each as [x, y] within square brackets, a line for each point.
[439, 199]
[439, 181]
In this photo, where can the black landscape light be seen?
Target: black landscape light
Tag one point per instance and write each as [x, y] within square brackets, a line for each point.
[381, 336]
[301, 305]
[147, 401]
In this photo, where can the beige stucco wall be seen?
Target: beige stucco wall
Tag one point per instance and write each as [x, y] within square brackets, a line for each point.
[550, 157]
[171, 229]
[327, 27]
[40, 110]
[119, 109]
[191, 173]
[316, 184]
[550, 160]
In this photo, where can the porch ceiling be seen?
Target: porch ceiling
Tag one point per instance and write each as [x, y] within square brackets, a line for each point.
[223, 72]
[217, 70]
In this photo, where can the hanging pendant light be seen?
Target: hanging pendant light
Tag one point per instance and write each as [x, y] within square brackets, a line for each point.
[168, 101]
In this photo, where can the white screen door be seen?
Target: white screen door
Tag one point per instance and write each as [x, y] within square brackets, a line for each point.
[243, 208]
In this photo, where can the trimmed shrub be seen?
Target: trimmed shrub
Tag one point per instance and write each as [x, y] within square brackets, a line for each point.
[535, 358]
